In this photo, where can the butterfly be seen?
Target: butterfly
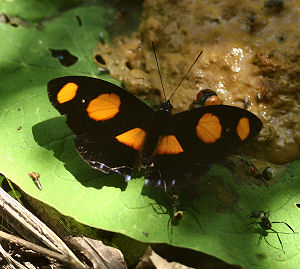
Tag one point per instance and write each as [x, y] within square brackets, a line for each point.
[116, 131]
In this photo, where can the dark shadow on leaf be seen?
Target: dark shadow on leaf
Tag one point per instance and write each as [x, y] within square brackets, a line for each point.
[55, 136]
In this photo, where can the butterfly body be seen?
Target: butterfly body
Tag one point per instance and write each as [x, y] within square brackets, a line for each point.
[159, 126]
[115, 131]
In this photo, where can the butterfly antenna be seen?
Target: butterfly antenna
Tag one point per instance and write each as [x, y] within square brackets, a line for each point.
[186, 74]
[159, 70]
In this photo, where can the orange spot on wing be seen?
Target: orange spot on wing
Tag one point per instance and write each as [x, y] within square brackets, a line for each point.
[104, 107]
[133, 138]
[209, 129]
[67, 93]
[168, 145]
[243, 128]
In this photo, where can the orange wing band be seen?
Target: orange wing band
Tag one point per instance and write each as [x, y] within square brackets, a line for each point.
[67, 93]
[104, 107]
[243, 128]
[209, 129]
[133, 138]
[168, 145]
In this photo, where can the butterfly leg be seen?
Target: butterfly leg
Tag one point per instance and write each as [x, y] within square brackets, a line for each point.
[153, 177]
[124, 171]
[99, 166]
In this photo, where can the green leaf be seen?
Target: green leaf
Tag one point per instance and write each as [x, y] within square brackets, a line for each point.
[34, 10]
[216, 216]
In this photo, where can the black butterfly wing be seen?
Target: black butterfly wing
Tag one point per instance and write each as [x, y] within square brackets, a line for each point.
[130, 111]
[205, 135]
[109, 123]
[210, 133]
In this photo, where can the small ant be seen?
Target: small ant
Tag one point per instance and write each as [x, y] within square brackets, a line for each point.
[265, 224]
[264, 176]
[175, 211]
[177, 214]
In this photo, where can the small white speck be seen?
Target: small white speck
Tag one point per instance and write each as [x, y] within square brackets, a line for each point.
[237, 52]
[221, 87]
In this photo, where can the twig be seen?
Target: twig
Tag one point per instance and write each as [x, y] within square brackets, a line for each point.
[49, 253]
[11, 262]
[31, 227]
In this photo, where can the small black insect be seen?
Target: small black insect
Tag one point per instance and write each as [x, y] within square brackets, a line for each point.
[265, 225]
[146, 233]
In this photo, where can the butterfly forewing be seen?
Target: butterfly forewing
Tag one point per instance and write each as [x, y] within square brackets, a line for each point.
[210, 133]
[97, 108]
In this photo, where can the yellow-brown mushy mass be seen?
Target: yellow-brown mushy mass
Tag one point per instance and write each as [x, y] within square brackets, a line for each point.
[251, 49]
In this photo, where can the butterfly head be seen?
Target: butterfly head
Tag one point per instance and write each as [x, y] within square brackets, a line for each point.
[166, 106]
